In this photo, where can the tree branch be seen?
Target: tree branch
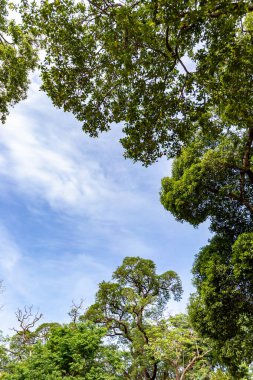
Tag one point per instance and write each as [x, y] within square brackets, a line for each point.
[105, 9]
[191, 363]
[3, 40]
[169, 48]
[219, 9]
[247, 156]
[174, 54]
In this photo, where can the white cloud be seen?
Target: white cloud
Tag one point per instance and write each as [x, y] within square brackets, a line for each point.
[44, 157]
[42, 167]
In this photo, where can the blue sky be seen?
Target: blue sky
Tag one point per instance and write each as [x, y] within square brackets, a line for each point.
[72, 208]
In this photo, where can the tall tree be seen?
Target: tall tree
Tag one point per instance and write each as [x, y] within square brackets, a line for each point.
[127, 305]
[222, 308]
[133, 309]
[181, 353]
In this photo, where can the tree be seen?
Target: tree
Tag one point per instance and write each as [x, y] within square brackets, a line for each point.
[130, 307]
[181, 353]
[222, 309]
[20, 344]
[165, 69]
[213, 179]
[18, 57]
[71, 351]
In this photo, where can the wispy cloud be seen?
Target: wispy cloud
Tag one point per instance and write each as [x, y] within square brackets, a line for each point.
[44, 158]
[10, 254]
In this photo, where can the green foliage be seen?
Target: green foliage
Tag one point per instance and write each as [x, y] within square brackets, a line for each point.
[210, 179]
[75, 351]
[181, 353]
[222, 307]
[178, 74]
[220, 375]
[70, 352]
[17, 58]
[136, 295]
[132, 306]
[141, 343]
[165, 69]
[128, 306]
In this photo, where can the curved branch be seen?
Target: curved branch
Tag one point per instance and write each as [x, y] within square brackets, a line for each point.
[3, 40]
[247, 155]
[169, 48]
[192, 362]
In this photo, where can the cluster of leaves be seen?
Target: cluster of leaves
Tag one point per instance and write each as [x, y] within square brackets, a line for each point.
[221, 309]
[18, 57]
[165, 69]
[73, 351]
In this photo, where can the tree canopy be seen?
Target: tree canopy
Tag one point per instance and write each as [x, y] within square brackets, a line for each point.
[71, 351]
[17, 58]
[165, 69]
[213, 179]
[132, 308]
[222, 309]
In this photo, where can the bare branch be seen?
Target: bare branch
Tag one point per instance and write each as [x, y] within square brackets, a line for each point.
[76, 309]
[27, 319]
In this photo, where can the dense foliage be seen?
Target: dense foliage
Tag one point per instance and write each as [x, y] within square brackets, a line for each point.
[222, 307]
[166, 69]
[128, 306]
[71, 351]
[125, 334]
[17, 58]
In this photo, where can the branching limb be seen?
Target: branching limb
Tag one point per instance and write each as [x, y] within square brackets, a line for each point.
[76, 309]
[4, 41]
[174, 53]
[192, 362]
[27, 320]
